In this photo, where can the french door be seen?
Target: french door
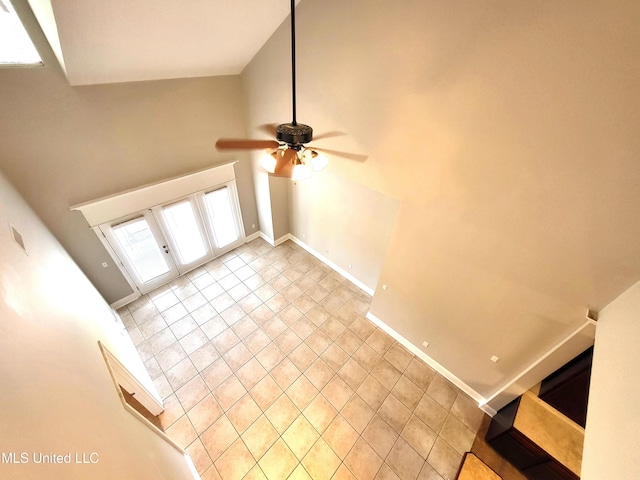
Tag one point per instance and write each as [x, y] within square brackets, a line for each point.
[185, 232]
[167, 240]
[221, 210]
[142, 251]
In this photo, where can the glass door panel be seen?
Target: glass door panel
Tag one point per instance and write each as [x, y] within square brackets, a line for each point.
[141, 248]
[167, 240]
[143, 252]
[185, 231]
[222, 217]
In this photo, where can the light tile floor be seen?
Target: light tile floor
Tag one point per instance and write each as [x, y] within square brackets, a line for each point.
[269, 369]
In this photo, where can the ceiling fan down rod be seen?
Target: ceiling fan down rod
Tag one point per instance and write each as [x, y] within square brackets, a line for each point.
[294, 134]
[293, 59]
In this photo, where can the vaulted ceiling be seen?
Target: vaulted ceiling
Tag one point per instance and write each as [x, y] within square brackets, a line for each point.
[115, 41]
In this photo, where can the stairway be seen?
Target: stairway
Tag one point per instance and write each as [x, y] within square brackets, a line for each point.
[472, 468]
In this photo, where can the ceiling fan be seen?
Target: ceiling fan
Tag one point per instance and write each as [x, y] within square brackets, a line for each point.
[288, 156]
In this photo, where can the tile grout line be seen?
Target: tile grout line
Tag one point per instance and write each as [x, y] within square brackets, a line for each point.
[324, 302]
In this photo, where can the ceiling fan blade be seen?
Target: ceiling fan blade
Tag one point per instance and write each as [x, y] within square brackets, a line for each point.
[324, 135]
[245, 144]
[284, 165]
[351, 156]
[268, 128]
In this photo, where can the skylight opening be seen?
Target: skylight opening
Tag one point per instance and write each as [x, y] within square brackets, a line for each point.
[16, 47]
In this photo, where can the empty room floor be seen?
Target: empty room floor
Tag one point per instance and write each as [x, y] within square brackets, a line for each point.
[269, 369]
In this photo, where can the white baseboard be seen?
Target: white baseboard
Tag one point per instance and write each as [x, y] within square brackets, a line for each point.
[486, 408]
[123, 301]
[283, 239]
[558, 355]
[271, 241]
[432, 363]
[192, 467]
[330, 264]
[252, 237]
[267, 239]
[322, 258]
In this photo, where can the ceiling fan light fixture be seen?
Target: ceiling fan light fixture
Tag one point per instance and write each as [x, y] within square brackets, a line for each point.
[300, 171]
[318, 161]
[269, 161]
[290, 158]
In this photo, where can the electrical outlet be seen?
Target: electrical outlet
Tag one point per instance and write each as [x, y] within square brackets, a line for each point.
[384, 286]
[253, 225]
[425, 344]
[494, 359]
[350, 267]
[105, 264]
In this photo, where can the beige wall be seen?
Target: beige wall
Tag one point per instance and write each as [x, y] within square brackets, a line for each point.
[507, 133]
[57, 394]
[613, 425]
[65, 145]
[279, 192]
[345, 222]
[263, 200]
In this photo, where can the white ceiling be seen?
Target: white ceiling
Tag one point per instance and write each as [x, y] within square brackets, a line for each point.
[124, 40]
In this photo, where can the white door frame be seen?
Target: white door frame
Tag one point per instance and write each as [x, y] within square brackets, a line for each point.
[210, 253]
[235, 207]
[124, 262]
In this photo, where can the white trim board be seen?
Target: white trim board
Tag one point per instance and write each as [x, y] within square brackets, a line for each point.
[267, 239]
[329, 263]
[283, 239]
[569, 347]
[120, 375]
[558, 355]
[149, 399]
[253, 236]
[121, 204]
[275, 243]
[432, 363]
[125, 301]
[322, 258]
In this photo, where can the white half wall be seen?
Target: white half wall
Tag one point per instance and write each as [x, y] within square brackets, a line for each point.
[613, 424]
[57, 394]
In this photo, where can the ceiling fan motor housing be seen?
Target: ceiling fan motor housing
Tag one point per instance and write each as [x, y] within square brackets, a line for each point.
[294, 134]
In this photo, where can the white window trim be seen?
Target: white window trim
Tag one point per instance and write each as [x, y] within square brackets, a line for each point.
[125, 205]
[121, 204]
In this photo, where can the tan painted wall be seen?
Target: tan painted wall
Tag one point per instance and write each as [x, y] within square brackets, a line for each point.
[345, 222]
[508, 133]
[613, 424]
[279, 190]
[57, 395]
[263, 200]
[65, 145]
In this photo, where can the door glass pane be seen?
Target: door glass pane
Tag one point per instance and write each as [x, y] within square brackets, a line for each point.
[140, 246]
[222, 219]
[185, 231]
